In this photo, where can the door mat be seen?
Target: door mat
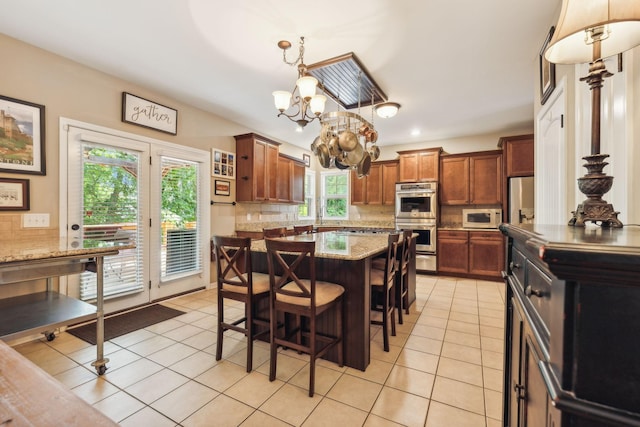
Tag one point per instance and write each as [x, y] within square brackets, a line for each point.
[121, 324]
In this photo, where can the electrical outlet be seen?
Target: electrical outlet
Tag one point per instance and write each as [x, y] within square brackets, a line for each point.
[35, 220]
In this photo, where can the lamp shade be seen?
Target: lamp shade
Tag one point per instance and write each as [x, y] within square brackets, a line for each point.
[569, 44]
[387, 109]
[282, 99]
[317, 104]
[307, 86]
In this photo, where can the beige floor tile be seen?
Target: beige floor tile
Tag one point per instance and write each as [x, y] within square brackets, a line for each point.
[332, 413]
[497, 314]
[151, 345]
[119, 406]
[444, 415]
[464, 317]
[324, 381]
[401, 407]
[458, 394]
[428, 320]
[132, 338]
[378, 353]
[355, 392]
[172, 354]
[437, 312]
[286, 366]
[222, 411]
[132, 373]
[164, 326]
[411, 381]
[253, 389]
[493, 344]
[468, 328]
[492, 321]
[89, 354]
[466, 309]
[398, 340]
[195, 364]
[147, 417]
[492, 332]
[156, 386]
[291, 404]
[182, 333]
[51, 361]
[425, 345]
[208, 323]
[66, 343]
[184, 401]
[428, 332]
[376, 372]
[492, 378]
[463, 338]
[260, 356]
[462, 352]
[95, 390]
[201, 340]
[461, 371]
[491, 359]
[117, 360]
[376, 421]
[493, 423]
[493, 404]
[222, 376]
[418, 360]
[76, 376]
[260, 419]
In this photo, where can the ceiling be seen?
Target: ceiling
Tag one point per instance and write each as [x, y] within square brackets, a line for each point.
[457, 67]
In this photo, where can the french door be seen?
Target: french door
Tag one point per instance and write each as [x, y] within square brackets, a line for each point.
[124, 187]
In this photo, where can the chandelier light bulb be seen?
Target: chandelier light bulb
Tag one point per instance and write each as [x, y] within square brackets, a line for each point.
[307, 87]
[282, 99]
[317, 104]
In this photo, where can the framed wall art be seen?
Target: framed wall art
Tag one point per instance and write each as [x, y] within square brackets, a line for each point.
[547, 71]
[306, 159]
[222, 188]
[14, 194]
[223, 164]
[149, 114]
[21, 137]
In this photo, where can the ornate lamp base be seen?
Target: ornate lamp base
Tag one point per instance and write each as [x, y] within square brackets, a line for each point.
[593, 185]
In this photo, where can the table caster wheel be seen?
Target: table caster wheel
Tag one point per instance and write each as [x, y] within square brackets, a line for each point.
[101, 369]
[50, 336]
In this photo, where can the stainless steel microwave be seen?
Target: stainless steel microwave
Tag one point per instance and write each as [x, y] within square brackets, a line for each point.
[481, 218]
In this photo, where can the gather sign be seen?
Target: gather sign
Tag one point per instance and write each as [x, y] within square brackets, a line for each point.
[149, 114]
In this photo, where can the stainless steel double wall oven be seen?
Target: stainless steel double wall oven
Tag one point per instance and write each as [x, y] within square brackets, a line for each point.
[416, 209]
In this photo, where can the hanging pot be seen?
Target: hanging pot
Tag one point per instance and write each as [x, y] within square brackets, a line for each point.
[348, 140]
[364, 165]
[323, 156]
[325, 133]
[363, 130]
[352, 158]
[334, 147]
[314, 145]
[341, 165]
[371, 135]
[374, 152]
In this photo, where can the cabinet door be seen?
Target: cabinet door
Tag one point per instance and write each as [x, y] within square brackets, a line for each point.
[358, 189]
[486, 179]
[428, 166]
[374, 185]
[297, 183]
[454, 181]
[408, 171]
[283, 179]
[389, 179]
[519, 157]
[486, 253]
[453, 251]
[271, 175]
[260, 168]
[515, 390]
[535, 392]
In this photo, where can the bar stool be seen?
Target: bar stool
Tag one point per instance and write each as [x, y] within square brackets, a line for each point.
[402, 275]
[383, 293]
[303, 229]
[237, 281]
[303, 297]
[274, 232]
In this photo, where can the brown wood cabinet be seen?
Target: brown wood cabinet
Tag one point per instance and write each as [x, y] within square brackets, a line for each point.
[283, 179]
[378, 188]
[472, 253]
[519, 154]
[297, 182]
[471, 179]
[419, 165]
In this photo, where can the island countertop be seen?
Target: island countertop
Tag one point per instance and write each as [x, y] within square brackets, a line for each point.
[56, 248]
[338, 244]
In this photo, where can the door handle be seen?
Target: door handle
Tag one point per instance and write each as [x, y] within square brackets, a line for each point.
[75, 227]
[528, 291]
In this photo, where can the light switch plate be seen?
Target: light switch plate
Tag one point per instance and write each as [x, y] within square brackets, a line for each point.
[34, 220]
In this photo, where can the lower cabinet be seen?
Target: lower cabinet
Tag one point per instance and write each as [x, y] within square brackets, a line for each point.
[472, 253]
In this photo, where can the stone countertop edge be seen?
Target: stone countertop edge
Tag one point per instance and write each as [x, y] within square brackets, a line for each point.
[54, 248]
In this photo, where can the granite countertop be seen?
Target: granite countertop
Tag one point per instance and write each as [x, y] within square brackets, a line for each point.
[461, 228]
[57, 248]
[338, 245]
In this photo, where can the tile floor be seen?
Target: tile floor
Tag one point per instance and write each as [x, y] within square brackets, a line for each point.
[444, 369]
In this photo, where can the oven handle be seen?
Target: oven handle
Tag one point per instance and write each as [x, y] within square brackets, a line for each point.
[416, 194]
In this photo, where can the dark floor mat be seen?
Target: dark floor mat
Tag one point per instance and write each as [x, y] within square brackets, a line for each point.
[120, 324]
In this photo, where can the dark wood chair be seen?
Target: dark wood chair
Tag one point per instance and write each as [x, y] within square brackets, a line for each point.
[298, 292]
[402, 275]
[383, 293]
[322, 229]
[237, 281]
[274, 232]
[303, 229]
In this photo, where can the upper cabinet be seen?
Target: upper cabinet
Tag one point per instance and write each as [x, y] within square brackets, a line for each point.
[518, 153]
[265, 175]
[378, 188]
[419, 165]
[471, 178]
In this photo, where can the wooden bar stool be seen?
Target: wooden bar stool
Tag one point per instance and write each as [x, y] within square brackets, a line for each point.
[237, 281]
[402, 275]
[274, 232]
[303, 229]
[304, 297]
[383, 293]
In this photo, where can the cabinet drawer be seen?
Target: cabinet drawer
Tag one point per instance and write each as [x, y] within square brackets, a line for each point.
[451, 234]
[517, 267]
[538, 290]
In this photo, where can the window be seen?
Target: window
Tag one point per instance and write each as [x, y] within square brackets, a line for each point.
[335, 195]
[308, 209]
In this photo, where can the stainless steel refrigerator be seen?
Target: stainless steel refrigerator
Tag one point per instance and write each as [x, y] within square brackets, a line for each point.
[521, 200]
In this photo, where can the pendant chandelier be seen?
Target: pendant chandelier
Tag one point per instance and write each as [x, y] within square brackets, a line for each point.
[307, 105]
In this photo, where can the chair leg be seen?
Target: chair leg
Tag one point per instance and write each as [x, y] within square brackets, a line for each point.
[400, 299]
[312, 350]
[385, 324]
[248, 308]
[220, 329]
[273, 347]
[405, 290]
[340, 333]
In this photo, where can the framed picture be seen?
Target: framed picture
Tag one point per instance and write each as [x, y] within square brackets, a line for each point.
[14, 194]
[149, 114]
[547, 71]
[306, 159]
[223, 164]
[222, 188]
[21, 137]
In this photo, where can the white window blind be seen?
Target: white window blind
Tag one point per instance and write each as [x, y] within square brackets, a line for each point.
[180, 218]
[111, 205]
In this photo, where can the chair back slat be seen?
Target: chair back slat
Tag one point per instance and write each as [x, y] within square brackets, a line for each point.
[290, 257]
[234, 258]
[274, 232]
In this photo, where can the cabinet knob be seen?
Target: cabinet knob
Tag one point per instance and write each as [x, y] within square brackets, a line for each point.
[520, 391]
[529, 291]
[514, 266]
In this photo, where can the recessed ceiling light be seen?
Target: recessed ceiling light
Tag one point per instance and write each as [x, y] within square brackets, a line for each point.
[415, 132]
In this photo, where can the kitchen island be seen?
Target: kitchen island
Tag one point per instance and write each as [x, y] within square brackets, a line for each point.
[345, 259]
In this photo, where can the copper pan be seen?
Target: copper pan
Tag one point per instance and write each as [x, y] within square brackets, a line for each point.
[364, 165]
[323, 156]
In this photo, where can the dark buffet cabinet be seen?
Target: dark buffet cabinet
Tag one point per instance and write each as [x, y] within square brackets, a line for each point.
[572, 330]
